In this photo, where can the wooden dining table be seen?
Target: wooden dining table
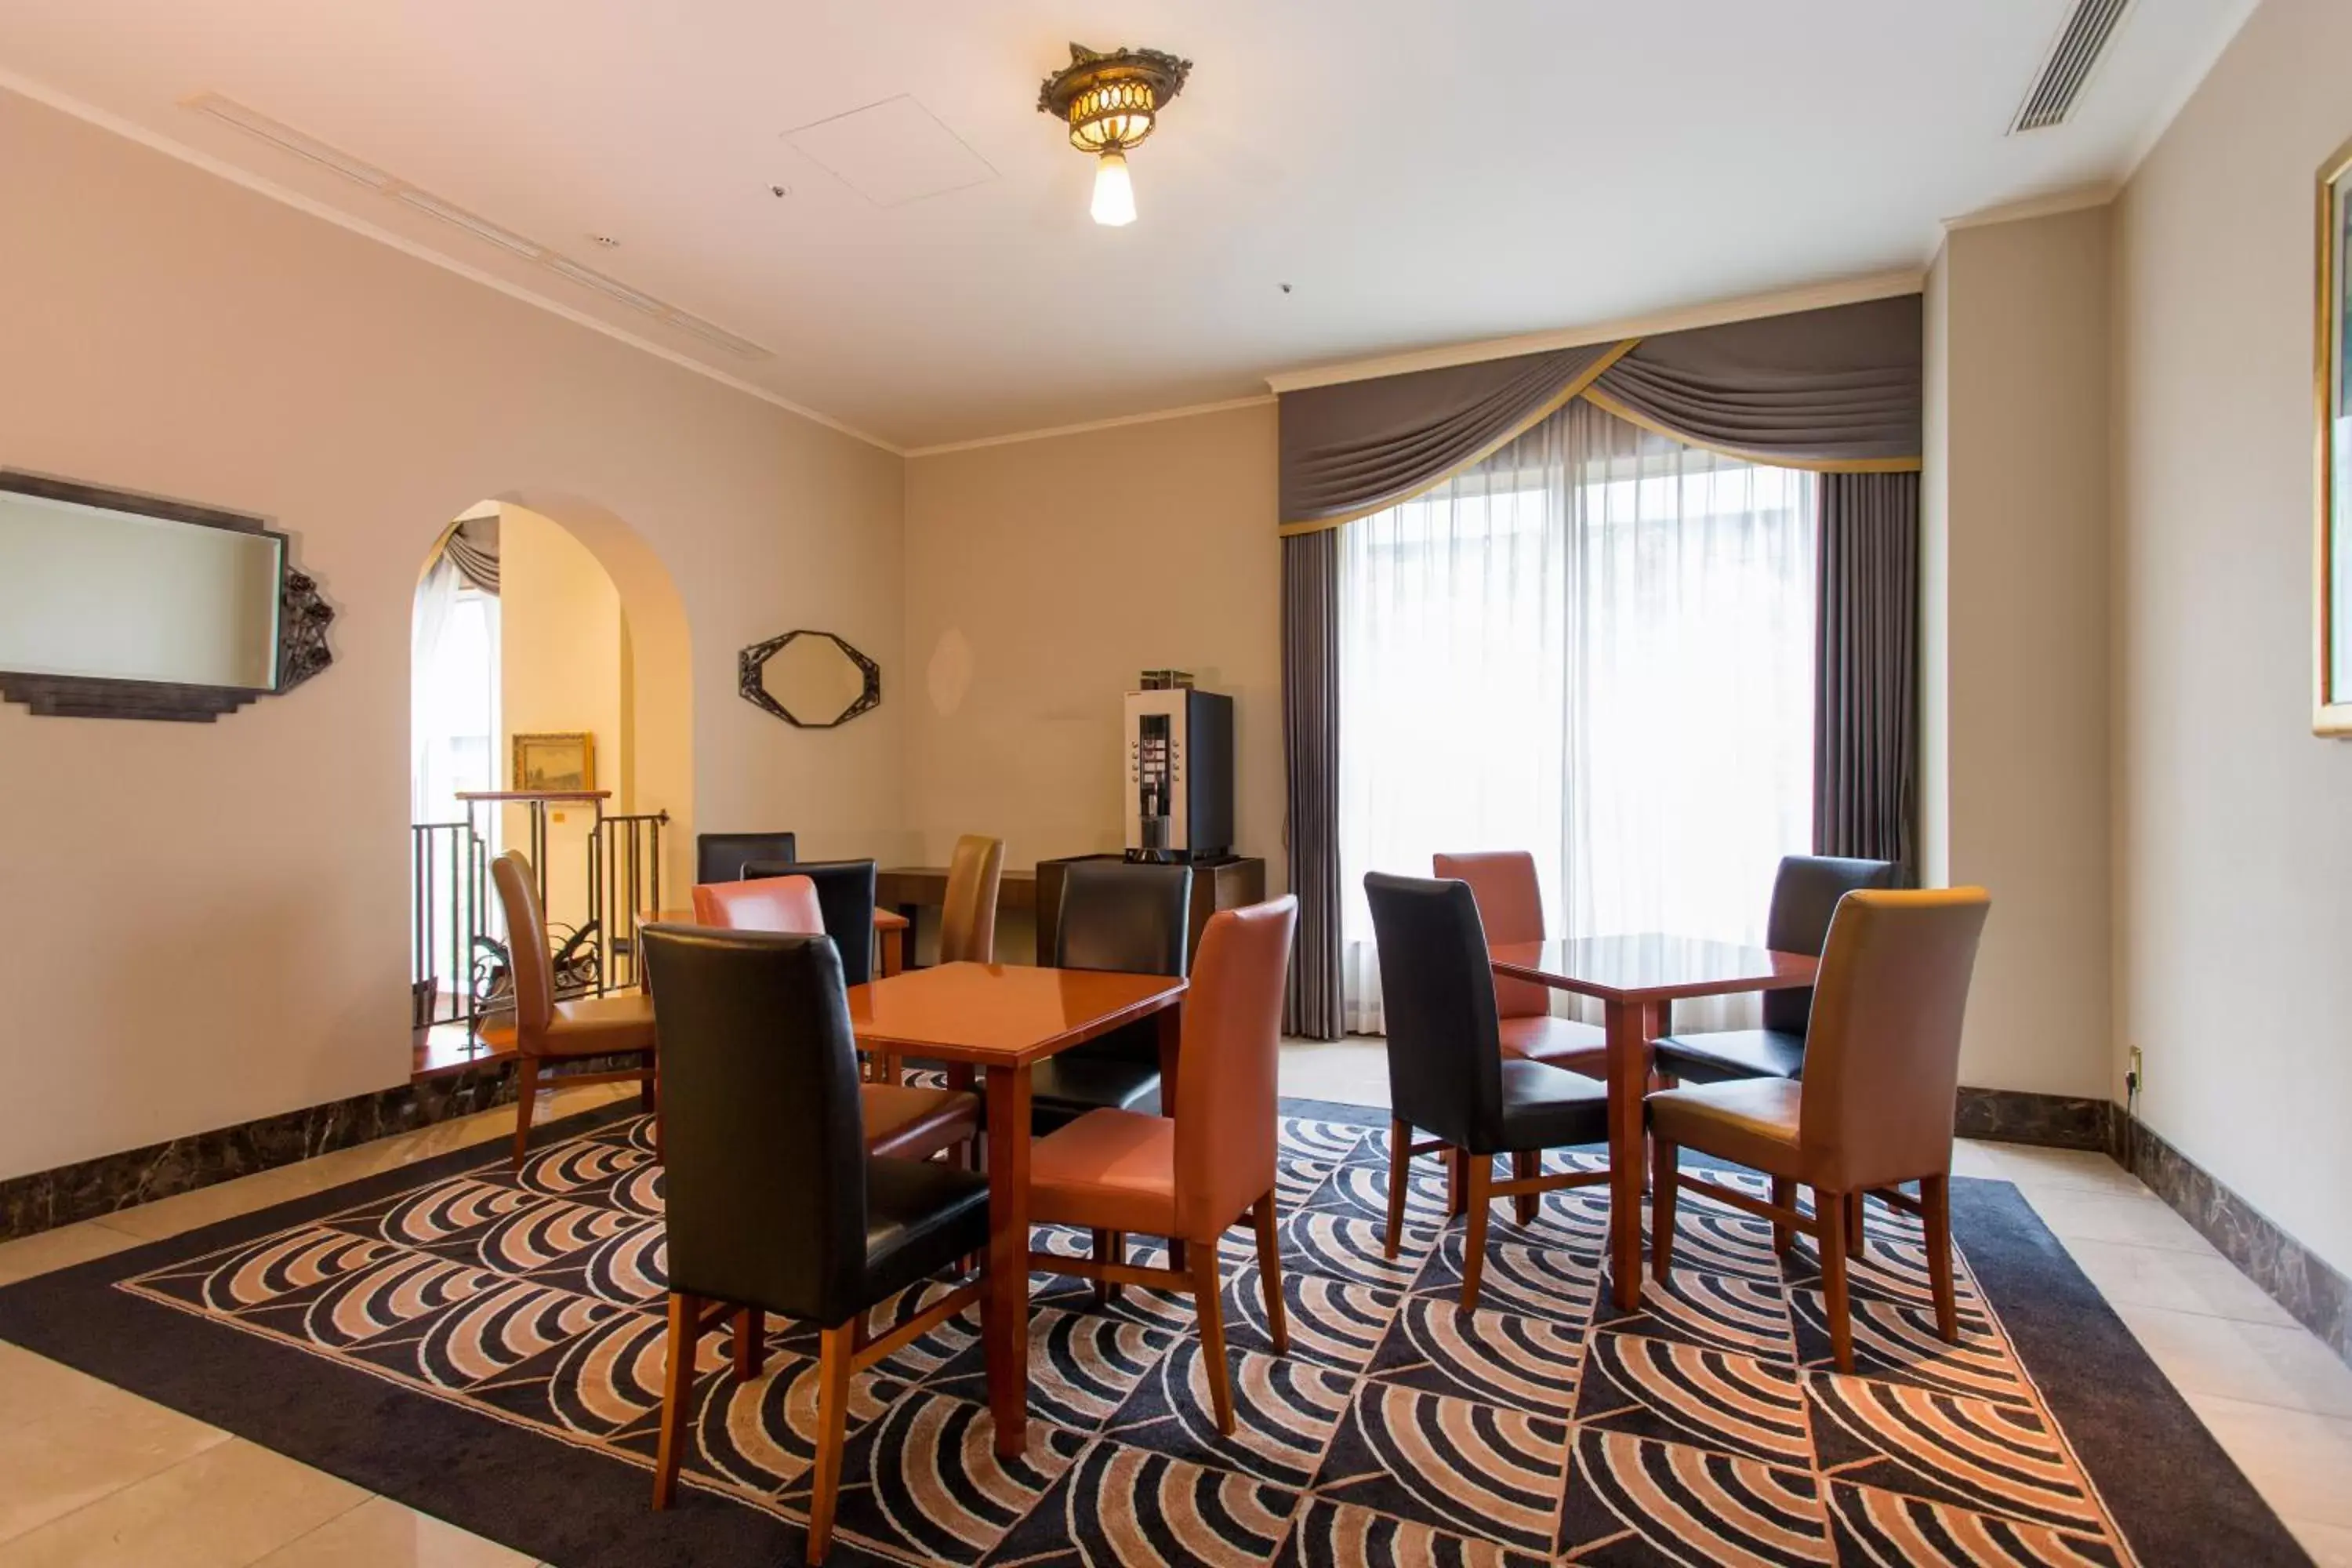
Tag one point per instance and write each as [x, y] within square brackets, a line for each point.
[999, 1021]
[1636, 979]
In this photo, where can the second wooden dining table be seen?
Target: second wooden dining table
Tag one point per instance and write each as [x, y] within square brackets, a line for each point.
[1635, 979]
[999, 1021]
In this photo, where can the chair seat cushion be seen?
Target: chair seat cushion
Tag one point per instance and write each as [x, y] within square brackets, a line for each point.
[1548, 1108]
[1722, 1054]
[920, 1216]
[1750, 1122]
[909, 1123]
[598, 1026]
[1558, 1042]
[1109, 1170]
[1065, 1087]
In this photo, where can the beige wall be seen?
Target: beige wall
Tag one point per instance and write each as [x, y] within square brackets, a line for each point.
[561, 662]
[207, 923]
[2234, 827]
[1041, 576]
[2016, 578]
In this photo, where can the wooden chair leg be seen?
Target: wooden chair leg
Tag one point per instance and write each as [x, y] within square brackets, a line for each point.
[1784, 1196]
[1399, 1177]
[1480, 1181]
[1936, 1206]
[1269, 1273]
[1208, 1304]
[1526, 1166]
[525, 1100]
[1457, 1191]
[750, 1347]
[1829, 1229]
[646, 1087]
[1662, 1209]
[678, 1388]
[1109, 1247]
[1853, 1224]
[836, 1347]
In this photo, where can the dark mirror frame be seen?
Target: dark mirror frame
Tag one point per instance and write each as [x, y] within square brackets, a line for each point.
[752, 663]
[302, 620]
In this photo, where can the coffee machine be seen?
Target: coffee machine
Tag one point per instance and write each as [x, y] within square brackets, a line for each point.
[1180, 771]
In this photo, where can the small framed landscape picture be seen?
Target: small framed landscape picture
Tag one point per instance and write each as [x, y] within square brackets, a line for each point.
[554, 763]
[2332, 399]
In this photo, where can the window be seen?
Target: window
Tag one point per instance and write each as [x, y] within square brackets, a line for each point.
[1596, 646]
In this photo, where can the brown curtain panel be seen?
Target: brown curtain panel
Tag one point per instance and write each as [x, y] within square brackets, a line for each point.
[1865, 668]
[1842, 386]
[1310, 727]
[1356, 446]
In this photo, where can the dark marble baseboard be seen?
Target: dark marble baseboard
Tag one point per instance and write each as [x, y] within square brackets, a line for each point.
[2289, 1272]
[2054, 1120]
[91, 1188]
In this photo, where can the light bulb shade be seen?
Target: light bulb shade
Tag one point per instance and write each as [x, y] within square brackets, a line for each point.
[1114, 205]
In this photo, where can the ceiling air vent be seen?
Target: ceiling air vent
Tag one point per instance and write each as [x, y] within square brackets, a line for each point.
[2076, 54]
[284, 138]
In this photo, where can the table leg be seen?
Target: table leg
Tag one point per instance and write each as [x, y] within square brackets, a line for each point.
[894, 951]
[1172, 1033]
[1007, 1333]
[1629, 1072]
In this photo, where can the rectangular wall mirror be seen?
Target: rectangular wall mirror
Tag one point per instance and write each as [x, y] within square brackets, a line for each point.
[100, 592]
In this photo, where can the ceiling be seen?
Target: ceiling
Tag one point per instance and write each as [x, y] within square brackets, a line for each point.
[1417, 174]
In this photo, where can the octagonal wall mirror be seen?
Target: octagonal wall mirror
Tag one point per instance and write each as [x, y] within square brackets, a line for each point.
[811, 679]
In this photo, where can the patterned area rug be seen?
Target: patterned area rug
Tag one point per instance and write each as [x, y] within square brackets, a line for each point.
[487, 1345]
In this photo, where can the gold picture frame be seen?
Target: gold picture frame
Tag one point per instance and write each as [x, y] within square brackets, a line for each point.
[560, 764]
[2332, 456]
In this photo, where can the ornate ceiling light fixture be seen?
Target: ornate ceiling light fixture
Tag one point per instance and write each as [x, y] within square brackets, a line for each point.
[1111, 101]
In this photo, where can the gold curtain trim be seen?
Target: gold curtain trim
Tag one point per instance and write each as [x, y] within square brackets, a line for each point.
[1609, 404]
[1577, 386]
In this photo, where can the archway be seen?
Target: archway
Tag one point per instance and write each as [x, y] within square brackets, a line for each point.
[550, 659]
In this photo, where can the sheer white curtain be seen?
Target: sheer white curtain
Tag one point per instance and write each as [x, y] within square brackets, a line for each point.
[1596, 646]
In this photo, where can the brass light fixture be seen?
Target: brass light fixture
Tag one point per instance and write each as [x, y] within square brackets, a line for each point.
[1111, 101]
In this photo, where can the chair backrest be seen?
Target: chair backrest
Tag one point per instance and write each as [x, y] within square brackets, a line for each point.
[764, 1141]
[1883, 1063]
[1135, 919]
[844, 891]
[1510, 906]
[1227, 1100]
[528, 960]
[1805, 895]
[786, 905]
[719, 857]
[1445, 1073]
[968, 921]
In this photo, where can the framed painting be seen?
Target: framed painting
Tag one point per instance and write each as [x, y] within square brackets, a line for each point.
[2332, 410]
[560, 764]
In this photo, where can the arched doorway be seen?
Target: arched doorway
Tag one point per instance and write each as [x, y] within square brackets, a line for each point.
[551, 712]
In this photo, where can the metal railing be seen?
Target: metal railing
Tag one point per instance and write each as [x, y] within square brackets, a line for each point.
[460, 971]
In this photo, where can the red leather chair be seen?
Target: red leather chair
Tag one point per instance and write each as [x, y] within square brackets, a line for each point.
[1189, 1176]
[1510, 906]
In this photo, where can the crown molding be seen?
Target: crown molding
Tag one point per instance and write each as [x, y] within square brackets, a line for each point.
[156, 141]
[1188, 411]
[1713, 313]
[2051, 206]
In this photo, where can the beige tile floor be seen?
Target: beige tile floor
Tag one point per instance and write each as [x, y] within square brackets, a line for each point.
[91, 1475]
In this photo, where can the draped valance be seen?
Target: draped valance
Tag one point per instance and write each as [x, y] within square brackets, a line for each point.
[472, 547]
[1838, 390]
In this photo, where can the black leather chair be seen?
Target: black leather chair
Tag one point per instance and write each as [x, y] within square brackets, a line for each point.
[773, 1203]
[1805, 894]
[1115, 916]
[719, 857]
[844, 894]
[1447, 1073]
